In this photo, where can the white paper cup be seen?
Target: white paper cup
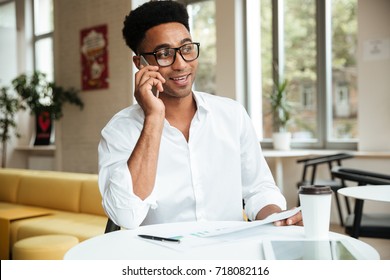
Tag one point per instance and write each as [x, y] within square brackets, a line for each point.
[315, 206]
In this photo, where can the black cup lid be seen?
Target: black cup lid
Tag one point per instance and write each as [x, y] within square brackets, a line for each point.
[312, 189]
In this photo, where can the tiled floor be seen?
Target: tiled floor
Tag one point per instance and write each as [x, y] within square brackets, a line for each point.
[381, 245]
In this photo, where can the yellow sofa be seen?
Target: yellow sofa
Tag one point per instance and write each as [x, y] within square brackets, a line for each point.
[73, 202]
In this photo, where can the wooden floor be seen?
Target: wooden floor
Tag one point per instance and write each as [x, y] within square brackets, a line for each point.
[381, 245]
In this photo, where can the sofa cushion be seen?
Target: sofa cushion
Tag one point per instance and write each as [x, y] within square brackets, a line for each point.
[9, 182]
[44, 247]
[82, 226]
[52, 190]
[90, 197]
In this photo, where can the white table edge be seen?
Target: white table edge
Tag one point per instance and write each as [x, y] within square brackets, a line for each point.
[368, 192]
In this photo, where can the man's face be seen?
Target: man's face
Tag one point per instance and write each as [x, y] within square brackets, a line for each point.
[181, 74]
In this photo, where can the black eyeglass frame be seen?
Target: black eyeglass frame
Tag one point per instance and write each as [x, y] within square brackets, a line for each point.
[178, 49]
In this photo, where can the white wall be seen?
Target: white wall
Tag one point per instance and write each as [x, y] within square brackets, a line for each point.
[78, 133]
[374, 76]
[230, 49]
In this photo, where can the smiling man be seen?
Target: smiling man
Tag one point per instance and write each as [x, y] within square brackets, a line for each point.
[179, 155]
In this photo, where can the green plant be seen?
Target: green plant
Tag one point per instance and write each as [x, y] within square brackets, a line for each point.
[41, 95]
[9, 106]
[281, 107]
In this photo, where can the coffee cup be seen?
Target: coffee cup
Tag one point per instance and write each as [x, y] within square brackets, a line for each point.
[315, 206]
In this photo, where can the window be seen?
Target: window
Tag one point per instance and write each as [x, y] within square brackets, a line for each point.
[313, 45]
[28, 47]
[43, 37]
[344, 73]
[26, 44]
[8, 43]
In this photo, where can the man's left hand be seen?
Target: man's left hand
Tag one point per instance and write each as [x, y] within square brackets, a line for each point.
[293, 220]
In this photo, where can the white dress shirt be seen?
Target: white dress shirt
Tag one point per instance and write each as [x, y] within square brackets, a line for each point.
[205, 178]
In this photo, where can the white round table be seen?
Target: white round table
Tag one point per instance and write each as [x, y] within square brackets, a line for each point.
[375, 192]
[245, 244]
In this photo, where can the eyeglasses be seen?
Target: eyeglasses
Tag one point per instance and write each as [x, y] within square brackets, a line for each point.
[167, 56]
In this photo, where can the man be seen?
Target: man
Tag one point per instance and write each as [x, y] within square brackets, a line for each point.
[179, 155]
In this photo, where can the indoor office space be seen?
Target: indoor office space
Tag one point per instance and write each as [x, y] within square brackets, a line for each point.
[318, 70]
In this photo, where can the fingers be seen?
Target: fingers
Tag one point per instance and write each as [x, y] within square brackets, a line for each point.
[293, 220]
[148, 77]
[148, 82]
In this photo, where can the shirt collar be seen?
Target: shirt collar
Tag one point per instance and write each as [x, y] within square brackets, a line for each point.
[202, 107]
[201, 104]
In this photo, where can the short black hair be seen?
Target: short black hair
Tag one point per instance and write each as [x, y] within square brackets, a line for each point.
[151, 14]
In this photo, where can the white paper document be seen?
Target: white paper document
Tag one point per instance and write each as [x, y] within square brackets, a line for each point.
[195, 239]
[270, 219]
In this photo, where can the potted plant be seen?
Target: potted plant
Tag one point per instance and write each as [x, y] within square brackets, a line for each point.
[9, 106]
[45, 100]
[281, 109]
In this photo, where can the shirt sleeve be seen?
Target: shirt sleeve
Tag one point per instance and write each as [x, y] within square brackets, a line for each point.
[115, 182]
[259, 188]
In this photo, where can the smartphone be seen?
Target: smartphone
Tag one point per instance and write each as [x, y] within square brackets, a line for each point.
[145, 63]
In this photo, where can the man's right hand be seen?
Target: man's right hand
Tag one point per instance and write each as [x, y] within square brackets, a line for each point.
[145, 79]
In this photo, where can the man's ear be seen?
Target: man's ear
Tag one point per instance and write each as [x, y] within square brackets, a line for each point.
[137, 61]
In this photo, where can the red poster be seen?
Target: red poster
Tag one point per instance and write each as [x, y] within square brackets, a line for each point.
[43, 129]
[94, 57]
